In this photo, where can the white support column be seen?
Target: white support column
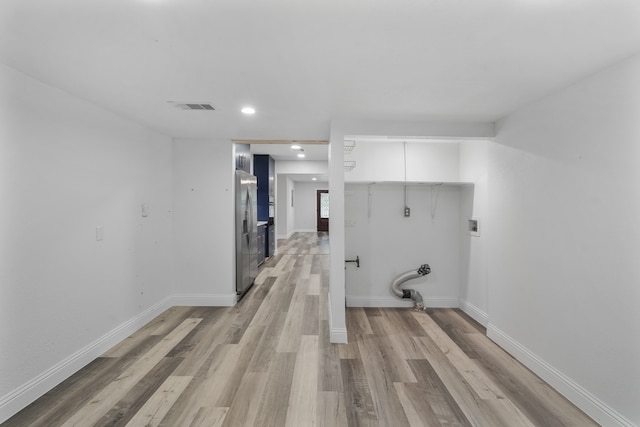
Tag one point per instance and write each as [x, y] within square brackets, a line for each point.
[337, 319]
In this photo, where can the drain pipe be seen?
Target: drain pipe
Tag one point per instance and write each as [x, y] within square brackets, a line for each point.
[410, 293]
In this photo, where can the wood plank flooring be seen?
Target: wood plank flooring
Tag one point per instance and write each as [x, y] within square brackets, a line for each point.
[268, 362]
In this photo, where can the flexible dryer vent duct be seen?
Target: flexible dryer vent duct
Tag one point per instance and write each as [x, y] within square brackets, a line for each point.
[410, 293]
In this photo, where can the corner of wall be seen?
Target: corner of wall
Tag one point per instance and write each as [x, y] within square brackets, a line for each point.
[474, 312]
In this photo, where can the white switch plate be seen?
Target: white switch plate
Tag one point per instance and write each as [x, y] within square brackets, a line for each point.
[99, 233]
[145, 210]
[474, 227]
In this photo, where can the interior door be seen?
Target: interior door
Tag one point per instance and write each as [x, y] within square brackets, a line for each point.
[322, 210]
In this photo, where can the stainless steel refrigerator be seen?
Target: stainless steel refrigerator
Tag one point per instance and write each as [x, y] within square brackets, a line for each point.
[246, 231]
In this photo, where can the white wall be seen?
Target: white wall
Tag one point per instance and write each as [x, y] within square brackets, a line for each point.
[67, 166]
[474, 280]
[281, 207]
[385, 161]
[305, 205]
[389, 244]
[565, 237]
[290, 210]
[293, 167]
[337, 298]
[285, 213]
[204, 242]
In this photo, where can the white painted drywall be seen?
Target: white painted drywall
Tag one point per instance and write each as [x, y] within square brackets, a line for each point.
[281, 207]
[565, 237]
[290, 203]
[306, 201]
[389, 244]
[337, 314]
[474, 248]
[204, 236]
[285, 212]
[385, 161]
[67, 167]
[309, 167]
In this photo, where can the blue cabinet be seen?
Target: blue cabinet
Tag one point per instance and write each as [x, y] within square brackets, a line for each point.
[264, 168]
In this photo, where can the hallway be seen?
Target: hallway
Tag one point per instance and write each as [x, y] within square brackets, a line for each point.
[268, 362]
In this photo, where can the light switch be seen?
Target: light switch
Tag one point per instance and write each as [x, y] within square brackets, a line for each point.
[474, 227]
[99, 233]
[145, 210]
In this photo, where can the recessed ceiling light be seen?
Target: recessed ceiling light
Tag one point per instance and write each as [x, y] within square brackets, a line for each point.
[296, 147]
[314, 179]
[248, 110]
[301, 155]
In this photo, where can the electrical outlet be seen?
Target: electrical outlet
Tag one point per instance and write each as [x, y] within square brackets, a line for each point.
[407, 211]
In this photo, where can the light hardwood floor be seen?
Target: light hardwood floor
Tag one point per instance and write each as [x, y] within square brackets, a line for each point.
[268, 362]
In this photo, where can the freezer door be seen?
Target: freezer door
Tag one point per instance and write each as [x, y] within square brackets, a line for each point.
[246, 231]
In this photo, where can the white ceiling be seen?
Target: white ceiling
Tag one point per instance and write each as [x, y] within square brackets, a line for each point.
[302, 63]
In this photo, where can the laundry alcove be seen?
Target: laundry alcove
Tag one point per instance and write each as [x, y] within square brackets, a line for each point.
[424, 176]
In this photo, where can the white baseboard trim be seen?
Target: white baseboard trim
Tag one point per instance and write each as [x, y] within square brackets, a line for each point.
[338, 335]
[286, 236]
[433, 302]
[24, 395]
[474, 312]
[204, 300]
[590, 404]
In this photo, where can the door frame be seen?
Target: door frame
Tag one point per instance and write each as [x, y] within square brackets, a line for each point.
[322, 224]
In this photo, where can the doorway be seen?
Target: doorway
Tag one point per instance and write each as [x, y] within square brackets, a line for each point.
[322, 210]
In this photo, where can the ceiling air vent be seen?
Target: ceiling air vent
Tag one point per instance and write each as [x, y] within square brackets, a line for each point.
[192, 106]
